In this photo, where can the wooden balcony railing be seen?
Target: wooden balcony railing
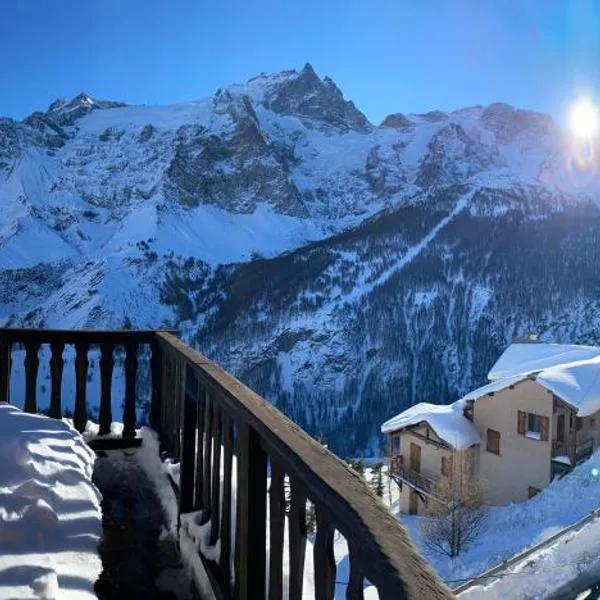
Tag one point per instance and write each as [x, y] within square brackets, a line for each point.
[413, 478]
[82, 341]
[207, 419]
[573, 451]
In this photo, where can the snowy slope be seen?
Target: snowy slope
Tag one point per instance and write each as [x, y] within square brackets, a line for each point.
[50, 520]
[512, 529]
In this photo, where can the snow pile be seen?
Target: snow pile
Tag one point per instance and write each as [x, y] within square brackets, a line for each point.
[447, 421]
[50, 519]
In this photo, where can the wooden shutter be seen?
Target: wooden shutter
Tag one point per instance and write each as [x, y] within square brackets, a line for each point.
[544, 428]
[521, 422]
[493, 441]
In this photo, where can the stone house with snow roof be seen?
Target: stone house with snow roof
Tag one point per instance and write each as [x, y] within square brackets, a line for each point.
[538, 416]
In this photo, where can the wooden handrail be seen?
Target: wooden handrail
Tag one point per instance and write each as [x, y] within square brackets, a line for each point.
[380, 549]
[205, 418]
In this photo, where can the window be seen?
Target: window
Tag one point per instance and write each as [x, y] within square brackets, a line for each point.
[532, 491]
[533, 426]
[493, 441]
[578, 423]
[395, 444]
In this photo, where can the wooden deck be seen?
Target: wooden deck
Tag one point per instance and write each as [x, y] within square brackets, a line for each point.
[205, 417]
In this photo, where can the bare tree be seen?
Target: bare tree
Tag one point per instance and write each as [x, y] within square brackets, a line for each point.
[455, 515]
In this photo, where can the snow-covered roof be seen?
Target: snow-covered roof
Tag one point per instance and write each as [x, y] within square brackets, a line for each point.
[577, 383]
[494, 386]
[447, 421]
[519, 358]
[570, 372]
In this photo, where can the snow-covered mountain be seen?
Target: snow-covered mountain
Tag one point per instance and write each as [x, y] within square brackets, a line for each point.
[344, 270]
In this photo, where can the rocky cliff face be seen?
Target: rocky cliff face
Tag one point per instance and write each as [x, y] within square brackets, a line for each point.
[342, 269]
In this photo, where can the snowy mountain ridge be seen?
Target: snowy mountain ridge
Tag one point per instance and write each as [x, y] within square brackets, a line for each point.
[344, 269]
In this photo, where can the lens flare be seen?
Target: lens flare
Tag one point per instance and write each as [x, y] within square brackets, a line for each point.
[583, 118]
[595, 472]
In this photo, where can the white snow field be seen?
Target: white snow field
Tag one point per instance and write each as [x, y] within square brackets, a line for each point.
[50, 517]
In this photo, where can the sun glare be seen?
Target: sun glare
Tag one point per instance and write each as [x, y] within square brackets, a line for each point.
[584, 118]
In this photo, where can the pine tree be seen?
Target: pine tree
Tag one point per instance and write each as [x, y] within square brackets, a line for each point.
[376, 481]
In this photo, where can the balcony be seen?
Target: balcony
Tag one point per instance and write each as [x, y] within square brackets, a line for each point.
[575, 452]
[414, 479]
[207, 420]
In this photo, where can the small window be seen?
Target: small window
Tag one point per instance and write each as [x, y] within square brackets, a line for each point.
[395, 444]
[532, 491]
[493, 441]
[578, 423]
[534, 426]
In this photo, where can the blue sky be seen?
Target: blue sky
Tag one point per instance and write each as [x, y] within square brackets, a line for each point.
[387, 56]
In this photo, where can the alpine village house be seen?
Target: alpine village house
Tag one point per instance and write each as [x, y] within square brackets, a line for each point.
[536, 419]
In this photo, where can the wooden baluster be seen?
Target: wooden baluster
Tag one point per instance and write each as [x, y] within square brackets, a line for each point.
[215, 504]
[355, 589]
[32, 363]
[208, 433]
[324, 559]
[188, 452]
[81, 370]
[156, 364]
[106, 372]
[297, 524]
[200, 416]
[131, 365]
[225, 560]
[251, 521]
[56, 370]
[5, 366]
[276, 530]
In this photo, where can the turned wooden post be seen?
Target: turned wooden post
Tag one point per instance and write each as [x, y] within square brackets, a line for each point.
[131, 365]
[5, 366]
[32, 363]
[81, 370]
[106, 372]
[156, 363]
[56, 370]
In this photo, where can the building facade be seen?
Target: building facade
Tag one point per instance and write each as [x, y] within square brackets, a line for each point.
[533, 422]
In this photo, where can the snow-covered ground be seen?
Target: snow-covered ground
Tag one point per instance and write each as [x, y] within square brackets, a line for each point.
[514, 528]
[50, 518]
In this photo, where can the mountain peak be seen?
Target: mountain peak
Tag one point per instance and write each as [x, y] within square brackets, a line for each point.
[67, 111]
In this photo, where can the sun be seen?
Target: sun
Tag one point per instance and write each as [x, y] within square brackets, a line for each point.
[583, 118]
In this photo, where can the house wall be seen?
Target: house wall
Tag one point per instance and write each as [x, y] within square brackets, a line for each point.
[431, 461]
[523, 462]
